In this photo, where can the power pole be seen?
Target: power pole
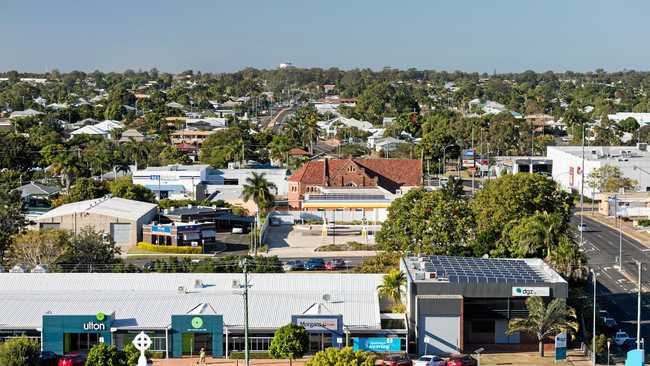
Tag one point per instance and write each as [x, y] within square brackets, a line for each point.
[246, 350]
[638, 311]
[582, 187]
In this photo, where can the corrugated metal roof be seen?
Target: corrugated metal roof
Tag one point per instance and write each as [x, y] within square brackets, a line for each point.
[149, 300]
[113, 207]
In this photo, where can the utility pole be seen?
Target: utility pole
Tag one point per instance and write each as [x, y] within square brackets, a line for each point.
[244, 264]
[638, 311]
[582, 191]
[593, 336]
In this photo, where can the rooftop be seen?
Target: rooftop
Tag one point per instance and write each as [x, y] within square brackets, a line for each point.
[141, 300]
[613, 154]
[176, 168]
[108, 206]
[440, 268]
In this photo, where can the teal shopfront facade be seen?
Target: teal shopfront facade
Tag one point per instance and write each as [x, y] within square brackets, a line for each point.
[191, 333]
[185, 335]
[64, 334]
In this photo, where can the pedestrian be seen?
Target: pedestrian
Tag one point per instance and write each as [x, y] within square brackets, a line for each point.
[202, 357]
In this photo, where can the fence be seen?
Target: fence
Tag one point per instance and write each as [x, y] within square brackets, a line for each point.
[347, 216]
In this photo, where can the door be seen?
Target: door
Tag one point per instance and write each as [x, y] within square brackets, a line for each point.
[188, 344]
[439, 335]
[121, 234]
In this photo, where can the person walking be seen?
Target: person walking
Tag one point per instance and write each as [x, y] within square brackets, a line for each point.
[202, 357]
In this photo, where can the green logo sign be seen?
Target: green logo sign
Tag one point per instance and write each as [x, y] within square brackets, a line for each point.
[197, 322]
[518, 290]
[100, 317]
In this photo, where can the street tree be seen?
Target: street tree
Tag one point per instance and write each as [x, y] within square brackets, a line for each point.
[124, 188]
[258, 189]
[12, 219]
[392, 285]
[89, 251]
[608, 178]
[43, 248]
[20, 351]
[545, 320]
[342, 357]
[289, 342]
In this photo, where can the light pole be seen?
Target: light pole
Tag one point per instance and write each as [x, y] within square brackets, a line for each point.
[594, 279]
[638, 311]
[582, 190]
[245, 286]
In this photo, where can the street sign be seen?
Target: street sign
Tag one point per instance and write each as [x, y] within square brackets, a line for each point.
[560, 346]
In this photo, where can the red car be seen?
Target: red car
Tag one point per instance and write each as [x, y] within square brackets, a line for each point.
[335, 264]
[461, 360]
[397, 360]
[71, 360]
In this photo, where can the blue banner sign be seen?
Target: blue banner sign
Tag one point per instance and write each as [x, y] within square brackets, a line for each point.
[161, 229]
[377, 344]
[469, 154]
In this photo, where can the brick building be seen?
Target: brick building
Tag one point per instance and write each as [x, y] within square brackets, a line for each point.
[391, 177]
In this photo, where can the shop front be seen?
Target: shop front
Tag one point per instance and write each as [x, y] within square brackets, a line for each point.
[324, 330]
[64, 334]
[191, 333]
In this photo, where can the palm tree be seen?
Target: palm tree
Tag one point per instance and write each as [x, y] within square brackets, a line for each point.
[258, 189]
[392, 285]
[544, 321]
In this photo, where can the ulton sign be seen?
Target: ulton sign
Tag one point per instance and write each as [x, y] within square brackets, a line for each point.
[531, 291]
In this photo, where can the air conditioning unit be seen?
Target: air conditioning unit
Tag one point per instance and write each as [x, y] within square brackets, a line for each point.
[198, 284]
[181, 289]
[419, 276]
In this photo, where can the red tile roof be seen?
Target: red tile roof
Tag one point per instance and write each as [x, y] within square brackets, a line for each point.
[298, 152]
[391, 174]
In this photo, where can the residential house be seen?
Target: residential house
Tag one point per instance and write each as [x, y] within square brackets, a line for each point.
[131, 135]
[631, 205]
[329, 128]
[25, 114]
[102, 129]
[641, 118]
[193, 137]
[36, 197]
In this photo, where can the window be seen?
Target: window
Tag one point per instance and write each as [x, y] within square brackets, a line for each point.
[483, 326]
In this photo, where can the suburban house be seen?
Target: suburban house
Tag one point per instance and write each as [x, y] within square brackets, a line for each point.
[36, 198]
[102, 129]
[25, 114]
[641, 118]
[631, 205]
[329, 128]
[193, 137]
[362, 185]
[122, 219]
[131, 135]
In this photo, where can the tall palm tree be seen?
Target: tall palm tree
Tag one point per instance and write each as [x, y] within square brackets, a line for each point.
[258, 189]
[392, 285]
[544, 321]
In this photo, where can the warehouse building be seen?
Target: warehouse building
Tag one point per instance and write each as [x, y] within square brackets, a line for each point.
[121, 218]
[459, 304]
[184, 312]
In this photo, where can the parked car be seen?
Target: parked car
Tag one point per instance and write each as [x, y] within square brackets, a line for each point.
[293, 265]
[397, 360]
[72, 360]
[461, 360]
[314, 264]
[48, 358]
[610, 322]
[335, 264]
[429, 360]
[620, 337]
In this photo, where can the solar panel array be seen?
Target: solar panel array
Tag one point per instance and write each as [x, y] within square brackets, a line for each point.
[482, 270]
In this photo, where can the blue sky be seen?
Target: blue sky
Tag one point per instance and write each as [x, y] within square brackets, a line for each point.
[222, 36]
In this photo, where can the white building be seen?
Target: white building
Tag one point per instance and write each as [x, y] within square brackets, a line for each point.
[633, 161]
[173, 181]
[641, 118]
[25, 114]
[329, 128]
[103, 129]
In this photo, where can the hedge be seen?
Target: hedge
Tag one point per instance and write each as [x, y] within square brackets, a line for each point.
[169, 248]
[253, 356]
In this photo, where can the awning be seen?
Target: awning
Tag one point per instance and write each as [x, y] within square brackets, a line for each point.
[191, 236]
[208, 233]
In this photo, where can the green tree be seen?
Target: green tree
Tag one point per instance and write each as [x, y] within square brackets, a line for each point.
[628, 125]
[426, 222]
[608, 178]
[172, 155]
[43, 247]
[290, 341]
[131, 355]
[545, 320]
[392, 285]
[454, 188]
[124, 188]
[12, 219]
[104, 355]
[278, 149]
[258, 189]
[90, 251]
[342, 357]
[85, 189]
[20, 352]
[222, 147]
[504, 201]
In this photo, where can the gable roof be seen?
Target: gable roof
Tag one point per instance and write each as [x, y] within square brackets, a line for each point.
[107, 206]
[391, 174]
[37, 189]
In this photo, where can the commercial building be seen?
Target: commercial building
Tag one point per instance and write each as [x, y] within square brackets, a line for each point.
[174, 181]
[316, 179]
[184, 312]
[121, 218]
[458, 304]
[633, 162]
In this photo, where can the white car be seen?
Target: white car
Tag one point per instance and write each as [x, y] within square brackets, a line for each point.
[620, 338]
[429, 360]
[583, 227]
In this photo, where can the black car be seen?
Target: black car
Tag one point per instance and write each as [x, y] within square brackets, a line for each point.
[48, 358]
[315, 264]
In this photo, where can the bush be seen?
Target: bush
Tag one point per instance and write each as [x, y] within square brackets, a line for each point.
[253, 356]
[169, 249]
[381, 263]
[290, 341]
[644, 223]
[342, 357]
[132, 355]
[351, 245]
[104, 355]
[20, 352]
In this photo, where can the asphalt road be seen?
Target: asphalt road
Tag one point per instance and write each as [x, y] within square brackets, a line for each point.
[615, 292]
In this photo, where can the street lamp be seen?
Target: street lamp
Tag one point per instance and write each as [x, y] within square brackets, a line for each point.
[594, 279]
[444, 158]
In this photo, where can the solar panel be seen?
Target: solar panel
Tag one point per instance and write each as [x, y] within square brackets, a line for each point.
[482, 270]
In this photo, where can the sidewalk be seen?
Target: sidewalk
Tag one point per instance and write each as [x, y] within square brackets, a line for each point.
[628, 229]
[223, 362]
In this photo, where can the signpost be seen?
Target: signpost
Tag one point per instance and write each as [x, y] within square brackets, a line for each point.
[560, 346]
[377, 344]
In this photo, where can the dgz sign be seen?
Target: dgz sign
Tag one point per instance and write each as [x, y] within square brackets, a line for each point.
[531, 291]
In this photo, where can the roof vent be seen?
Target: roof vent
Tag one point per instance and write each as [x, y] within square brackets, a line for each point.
[181, 289]
[327, 297]
[198, 283]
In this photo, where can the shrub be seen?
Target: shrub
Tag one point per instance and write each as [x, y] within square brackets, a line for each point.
[253, 355]
[132, 354]
[342, 357]
[290, 341]
[104, 355]
[20, 352]
[381, 263]
[644, 223]
[169, 249]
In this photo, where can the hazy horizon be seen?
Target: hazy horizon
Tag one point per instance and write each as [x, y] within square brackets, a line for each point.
[470, 36]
